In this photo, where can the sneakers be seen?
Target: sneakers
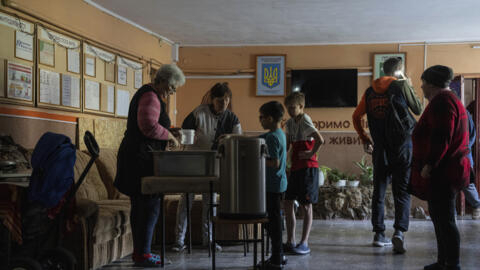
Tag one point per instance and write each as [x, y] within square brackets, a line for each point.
[379, 240]
[288, 248]
[146, 260]
[398, 242]
[301, 249]
[476, 213]
[178, 247]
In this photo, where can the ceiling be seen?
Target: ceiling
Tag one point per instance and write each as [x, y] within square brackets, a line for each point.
[304, 22]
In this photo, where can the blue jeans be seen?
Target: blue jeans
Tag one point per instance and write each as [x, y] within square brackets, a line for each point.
[395, 167]
[144, 214]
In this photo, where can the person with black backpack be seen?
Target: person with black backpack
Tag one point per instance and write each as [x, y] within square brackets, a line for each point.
[386, 104]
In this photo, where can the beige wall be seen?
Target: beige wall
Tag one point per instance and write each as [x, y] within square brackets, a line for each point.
[228, 60]
[217, 60]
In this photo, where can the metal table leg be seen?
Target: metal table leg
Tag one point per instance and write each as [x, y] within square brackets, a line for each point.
[263, 245]
[245, 239]
[212, 244]
[162, 216]
[255, 236]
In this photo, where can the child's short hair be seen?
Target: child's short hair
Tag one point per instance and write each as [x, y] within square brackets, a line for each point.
[295, 98]
[273, 109]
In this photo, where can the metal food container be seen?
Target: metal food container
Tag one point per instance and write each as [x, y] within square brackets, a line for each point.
[242, 177]
[185, 163]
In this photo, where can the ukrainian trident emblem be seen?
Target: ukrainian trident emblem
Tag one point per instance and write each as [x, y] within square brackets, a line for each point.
[271, 75]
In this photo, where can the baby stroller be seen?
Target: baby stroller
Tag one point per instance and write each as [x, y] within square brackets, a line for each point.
[41, 234]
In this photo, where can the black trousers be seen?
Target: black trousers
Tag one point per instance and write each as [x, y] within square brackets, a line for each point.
[441, 206]
[395, 167]
[274, 225]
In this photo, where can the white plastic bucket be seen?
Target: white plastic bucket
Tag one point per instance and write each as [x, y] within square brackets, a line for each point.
[188, 136]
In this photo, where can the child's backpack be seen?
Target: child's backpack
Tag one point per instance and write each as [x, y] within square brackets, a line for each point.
[52, 161]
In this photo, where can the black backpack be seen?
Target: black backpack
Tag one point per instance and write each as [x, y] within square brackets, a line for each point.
[399, 122]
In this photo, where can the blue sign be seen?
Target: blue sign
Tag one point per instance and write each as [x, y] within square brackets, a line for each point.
[271, 76]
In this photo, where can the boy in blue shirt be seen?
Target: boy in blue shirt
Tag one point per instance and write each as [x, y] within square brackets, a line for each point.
[271, 114]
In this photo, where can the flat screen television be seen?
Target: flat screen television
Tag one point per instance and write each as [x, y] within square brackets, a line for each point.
[326, 87]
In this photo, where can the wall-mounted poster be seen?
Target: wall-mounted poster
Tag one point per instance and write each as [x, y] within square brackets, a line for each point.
[73, 60]
[92, 95]
[380, 58]
[122, 75]
[107, 98]
[271, 75]
[123, 101]
[23, 45]
[110, 98]
[138, 78]
[49, 87]
[110, 72]
[47, 53]
[70, 91]
[90, 66]
[19, 81]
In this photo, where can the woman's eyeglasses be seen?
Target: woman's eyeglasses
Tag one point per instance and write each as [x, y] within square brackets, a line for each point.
[172, 89]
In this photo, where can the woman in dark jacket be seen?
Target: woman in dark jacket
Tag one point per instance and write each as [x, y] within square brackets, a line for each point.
[147, 130]
[440, 164]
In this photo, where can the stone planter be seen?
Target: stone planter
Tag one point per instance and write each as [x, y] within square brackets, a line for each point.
[349, 203]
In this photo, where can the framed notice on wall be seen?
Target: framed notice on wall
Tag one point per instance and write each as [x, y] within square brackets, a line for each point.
[89, 65]
[70, 91]
[23, 46]
[138, 78]
[122, 75]
[19, 81]
[380, 58]
[49, 87]
[73, 60]
[122, 102]
[270, 75]
[92, 95]
[46, 53]
[110, 72]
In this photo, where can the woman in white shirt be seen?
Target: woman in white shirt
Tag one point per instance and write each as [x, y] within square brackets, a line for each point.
[210, 121]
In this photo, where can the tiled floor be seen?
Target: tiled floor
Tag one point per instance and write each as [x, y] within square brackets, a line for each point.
[341, 244]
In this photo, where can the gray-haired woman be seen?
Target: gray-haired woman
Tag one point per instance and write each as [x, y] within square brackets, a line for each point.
[147, 129]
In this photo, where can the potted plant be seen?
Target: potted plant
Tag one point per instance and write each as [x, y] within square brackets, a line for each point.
[336, 178]
[352, 180]
[333, 176]
[366, 177]
[322, 174]
[343, 180]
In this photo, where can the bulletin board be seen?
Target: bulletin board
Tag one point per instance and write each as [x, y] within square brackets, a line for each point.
[17, 60]
[59, 80]
[129, 77]
[51, 67]
[99, 80]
